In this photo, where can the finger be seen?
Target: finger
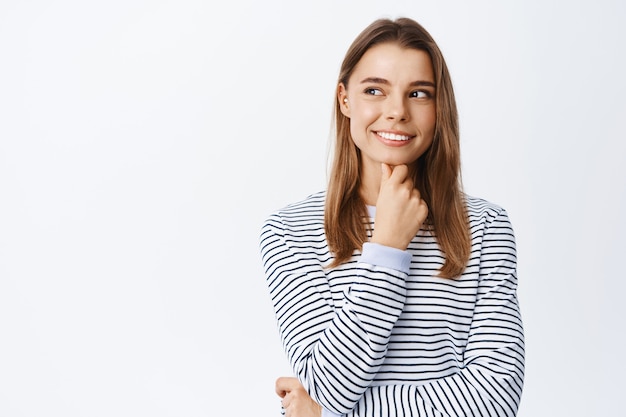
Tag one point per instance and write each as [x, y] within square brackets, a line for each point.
[423, 209]
[285, 384]
[416, 194]
[281, 387]
[385, 171]
[400, 173]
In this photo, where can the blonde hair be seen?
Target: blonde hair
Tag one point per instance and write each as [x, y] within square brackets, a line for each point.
[436, 172]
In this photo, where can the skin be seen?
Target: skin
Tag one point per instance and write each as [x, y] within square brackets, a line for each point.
[295, 400]
[390, 94]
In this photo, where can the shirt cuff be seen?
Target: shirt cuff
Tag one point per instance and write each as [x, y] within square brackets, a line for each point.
[386, 256]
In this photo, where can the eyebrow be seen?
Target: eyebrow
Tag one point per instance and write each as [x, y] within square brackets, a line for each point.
[378, 80]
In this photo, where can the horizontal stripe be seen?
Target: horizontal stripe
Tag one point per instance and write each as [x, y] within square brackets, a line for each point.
[368, 340]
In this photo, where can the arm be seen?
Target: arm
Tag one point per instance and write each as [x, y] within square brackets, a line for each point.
[335, 353]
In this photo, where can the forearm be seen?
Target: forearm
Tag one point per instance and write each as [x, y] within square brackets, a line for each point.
[340, 365]
[336, 352]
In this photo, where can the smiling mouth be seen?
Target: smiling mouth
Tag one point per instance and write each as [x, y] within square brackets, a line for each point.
[393, 136]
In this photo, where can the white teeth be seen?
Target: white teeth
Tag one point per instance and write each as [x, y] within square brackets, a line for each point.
[393, 136]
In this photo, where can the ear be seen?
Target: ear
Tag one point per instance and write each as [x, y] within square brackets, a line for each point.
[342, 97]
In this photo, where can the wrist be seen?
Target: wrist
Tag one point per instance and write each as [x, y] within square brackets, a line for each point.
[389, 242]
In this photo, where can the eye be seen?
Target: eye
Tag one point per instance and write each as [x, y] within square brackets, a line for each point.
[420, 94]
[373, 92]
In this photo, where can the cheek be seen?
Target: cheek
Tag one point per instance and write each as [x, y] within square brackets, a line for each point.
[360, 121]
[428, 120]
[362, 115]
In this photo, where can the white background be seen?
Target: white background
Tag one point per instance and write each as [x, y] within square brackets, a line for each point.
[142, 143]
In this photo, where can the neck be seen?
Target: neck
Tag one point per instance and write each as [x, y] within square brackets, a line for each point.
[370, 184]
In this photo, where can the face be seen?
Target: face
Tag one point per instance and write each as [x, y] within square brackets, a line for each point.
[390, 101]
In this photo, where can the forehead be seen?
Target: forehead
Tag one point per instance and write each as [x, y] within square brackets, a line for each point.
[394, 63]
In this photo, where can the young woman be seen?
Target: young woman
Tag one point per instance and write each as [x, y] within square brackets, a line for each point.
[394, 292]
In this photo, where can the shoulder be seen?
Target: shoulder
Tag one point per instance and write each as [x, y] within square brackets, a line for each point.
[489, 223]
[301, 215]
[310, 208]
[296, 229]
[480, 210]
[312, 205]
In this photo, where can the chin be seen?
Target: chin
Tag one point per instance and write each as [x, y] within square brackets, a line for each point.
[396, 161]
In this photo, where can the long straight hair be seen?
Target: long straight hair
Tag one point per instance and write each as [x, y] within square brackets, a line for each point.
[436, 172]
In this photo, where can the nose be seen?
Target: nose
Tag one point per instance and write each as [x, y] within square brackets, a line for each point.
[396, 109]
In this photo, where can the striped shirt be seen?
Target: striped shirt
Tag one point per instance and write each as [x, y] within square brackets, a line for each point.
[382, 335]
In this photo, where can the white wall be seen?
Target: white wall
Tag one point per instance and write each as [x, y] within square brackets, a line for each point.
[142, 143]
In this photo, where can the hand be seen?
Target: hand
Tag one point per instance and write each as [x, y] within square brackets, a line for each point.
[296, 401]
[400, 210]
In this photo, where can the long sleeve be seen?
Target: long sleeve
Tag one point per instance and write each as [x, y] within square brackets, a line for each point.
[335, 352]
